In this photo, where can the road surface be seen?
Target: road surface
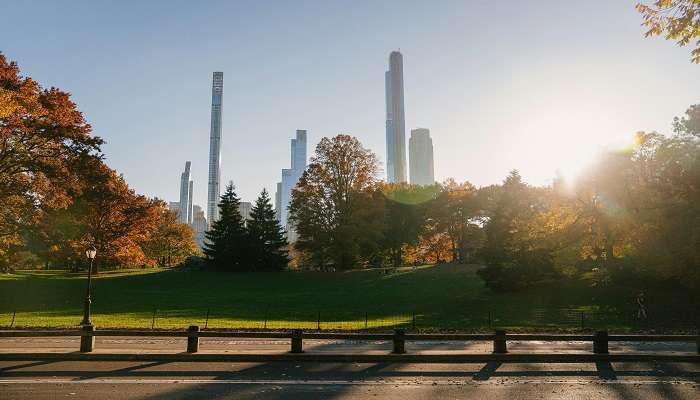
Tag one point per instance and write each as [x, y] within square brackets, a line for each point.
[283, 380]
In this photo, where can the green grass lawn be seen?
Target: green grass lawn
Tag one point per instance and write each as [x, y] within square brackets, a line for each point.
[442, 297]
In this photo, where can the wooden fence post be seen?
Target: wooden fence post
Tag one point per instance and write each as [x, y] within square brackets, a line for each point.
[87, 340]
[499, 342]
[600, 342]
[193, 339]
[399, 342]
[297, 346]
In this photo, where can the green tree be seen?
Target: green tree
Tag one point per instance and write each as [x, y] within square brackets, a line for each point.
[226, 245]
[514, 253]
[327, 203]
[677, 20]
[405, 218]
[267, 238]
[690, 123]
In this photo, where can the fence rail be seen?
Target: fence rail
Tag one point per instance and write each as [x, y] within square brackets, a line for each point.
[399, 337]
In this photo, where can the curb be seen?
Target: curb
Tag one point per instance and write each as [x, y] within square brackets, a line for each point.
[355, 358]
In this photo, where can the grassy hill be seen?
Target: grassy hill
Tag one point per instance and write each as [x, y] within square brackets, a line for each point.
[436, 297]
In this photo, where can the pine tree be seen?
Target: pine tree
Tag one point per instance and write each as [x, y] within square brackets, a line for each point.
[226, 245]
[268, 244]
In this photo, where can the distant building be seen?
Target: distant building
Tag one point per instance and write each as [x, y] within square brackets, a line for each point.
[290, 177]
[420, 150]
[278, 201]
[395, 120]
[244, 208]
[213, 184]
[199, 226]
[185, 206]
[174, 206]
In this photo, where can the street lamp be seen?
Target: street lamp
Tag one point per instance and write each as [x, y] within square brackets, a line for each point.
[90, 253]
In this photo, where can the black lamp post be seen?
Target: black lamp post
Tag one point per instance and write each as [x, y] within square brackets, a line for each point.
[90, 253]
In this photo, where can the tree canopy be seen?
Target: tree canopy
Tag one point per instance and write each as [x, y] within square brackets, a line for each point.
[677, 20]
[58, 195]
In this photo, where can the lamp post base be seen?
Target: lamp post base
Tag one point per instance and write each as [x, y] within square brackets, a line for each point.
[87, 339]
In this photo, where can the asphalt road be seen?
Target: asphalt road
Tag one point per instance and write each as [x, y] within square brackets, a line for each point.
[283, 380]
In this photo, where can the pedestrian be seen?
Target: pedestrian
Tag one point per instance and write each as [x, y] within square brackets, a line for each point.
[641, 307]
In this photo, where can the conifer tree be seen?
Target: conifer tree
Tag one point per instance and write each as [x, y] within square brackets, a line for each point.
[226, 246]
[267, 241]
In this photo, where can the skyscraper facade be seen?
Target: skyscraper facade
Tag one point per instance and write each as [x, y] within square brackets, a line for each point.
[213, 189]
[199, 225]
[290, 177]
[420, 151]
[190, 204]
[244, 208]
[395, 120]
[389, 131]
[185, 206]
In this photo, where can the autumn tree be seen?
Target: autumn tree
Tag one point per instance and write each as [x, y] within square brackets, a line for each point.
[267, 238]
[42, 137]
[457, 212]
[171, 242]
[677, 20]
[226, 246]
[116, 220]
[326, 203]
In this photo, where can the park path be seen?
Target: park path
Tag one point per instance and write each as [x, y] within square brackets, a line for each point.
[176, 345]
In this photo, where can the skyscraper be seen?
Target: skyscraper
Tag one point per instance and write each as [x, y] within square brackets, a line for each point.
[244, 208]
[420, 151]
[290, 177]
[395, 120]
[189, 208]
[213, 189]
[199, 225]
[185, 206]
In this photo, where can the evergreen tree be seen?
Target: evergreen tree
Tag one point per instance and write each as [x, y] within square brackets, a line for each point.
[267, 241]
[226, 247]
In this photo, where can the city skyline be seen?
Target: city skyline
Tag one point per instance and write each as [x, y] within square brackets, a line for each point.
[490, 102]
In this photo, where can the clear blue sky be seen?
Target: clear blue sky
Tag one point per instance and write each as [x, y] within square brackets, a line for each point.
[532, 85]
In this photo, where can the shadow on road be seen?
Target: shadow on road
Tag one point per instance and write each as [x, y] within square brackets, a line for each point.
[311, 378]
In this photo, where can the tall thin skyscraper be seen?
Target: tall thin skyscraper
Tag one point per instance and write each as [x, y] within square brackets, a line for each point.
[420, 151]
[395, 120]
[185, 194]
[213, 190]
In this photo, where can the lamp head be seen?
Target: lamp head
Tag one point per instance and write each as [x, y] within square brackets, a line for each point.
[91, 252]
